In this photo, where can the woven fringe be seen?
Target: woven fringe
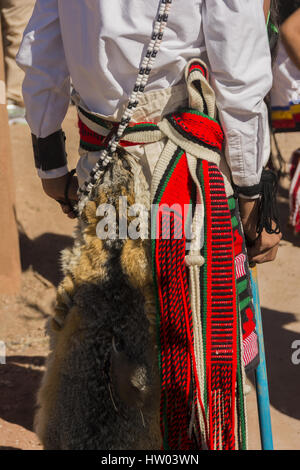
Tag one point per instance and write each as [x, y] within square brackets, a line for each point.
[177, 362]
[175, 341]
[221, 399]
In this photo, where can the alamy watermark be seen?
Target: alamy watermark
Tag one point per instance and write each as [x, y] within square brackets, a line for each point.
[295, 358]
[2, 353]
[134, 221]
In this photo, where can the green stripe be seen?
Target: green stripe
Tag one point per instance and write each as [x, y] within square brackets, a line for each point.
[274, 28]
[91, 147]
[96, 119]
[242, 286]
[143, 126]
[169, 176]
[234, 221]
[244, 303]
[198, 113]
[231, 203]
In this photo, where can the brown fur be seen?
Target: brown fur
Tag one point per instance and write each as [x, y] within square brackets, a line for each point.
[105, 315]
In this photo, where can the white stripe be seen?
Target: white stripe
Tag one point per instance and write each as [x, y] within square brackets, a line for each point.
[295, 198]
[250, 348]
[240, 265]
[93, 125]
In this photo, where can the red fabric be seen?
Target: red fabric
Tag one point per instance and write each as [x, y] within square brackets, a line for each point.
[249, 325]
[196, 66]
[295, 192]
[201, 127]
[91, 137]
[221, 310]
[176, 334]
[238, 243]
[180, 384]
[283, 124]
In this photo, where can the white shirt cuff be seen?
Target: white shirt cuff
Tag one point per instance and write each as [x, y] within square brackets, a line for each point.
[55, 173]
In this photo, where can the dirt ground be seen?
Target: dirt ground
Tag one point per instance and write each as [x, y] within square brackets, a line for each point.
[44, 231]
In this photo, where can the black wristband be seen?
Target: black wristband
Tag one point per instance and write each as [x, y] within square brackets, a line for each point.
[50, 152]
[247, 191]
[268, 217]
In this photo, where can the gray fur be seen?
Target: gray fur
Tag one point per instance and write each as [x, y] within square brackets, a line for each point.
[108, 392]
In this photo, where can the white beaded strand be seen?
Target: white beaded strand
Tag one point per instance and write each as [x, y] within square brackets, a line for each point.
[85, 191]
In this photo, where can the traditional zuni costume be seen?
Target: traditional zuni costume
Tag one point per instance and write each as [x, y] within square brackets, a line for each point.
[151, 337]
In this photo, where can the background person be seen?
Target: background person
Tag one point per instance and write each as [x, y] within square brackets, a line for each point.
[15, 15]
[285, 94]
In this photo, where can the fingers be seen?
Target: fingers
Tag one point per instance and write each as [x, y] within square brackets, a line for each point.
[67, 210]
[265, 248]
[73, 198]
[265, 257]
[55, 187]
[72, 193]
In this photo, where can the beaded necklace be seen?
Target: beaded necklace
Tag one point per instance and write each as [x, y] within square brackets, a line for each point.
[85, 191]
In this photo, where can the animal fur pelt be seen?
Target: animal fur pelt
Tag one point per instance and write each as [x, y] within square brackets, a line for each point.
[101, 387]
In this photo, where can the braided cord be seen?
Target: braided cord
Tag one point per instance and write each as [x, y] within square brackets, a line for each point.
[85, 191]
[203, 281]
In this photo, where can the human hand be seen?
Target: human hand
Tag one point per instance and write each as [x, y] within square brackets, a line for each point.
[262, 248]
[55, 188]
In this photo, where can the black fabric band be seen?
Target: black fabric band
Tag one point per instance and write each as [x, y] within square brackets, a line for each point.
[248, 191]
[268, 217]
[50, 152]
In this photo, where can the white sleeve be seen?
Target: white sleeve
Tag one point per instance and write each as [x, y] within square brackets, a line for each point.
[46, 87]
[239, 58]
